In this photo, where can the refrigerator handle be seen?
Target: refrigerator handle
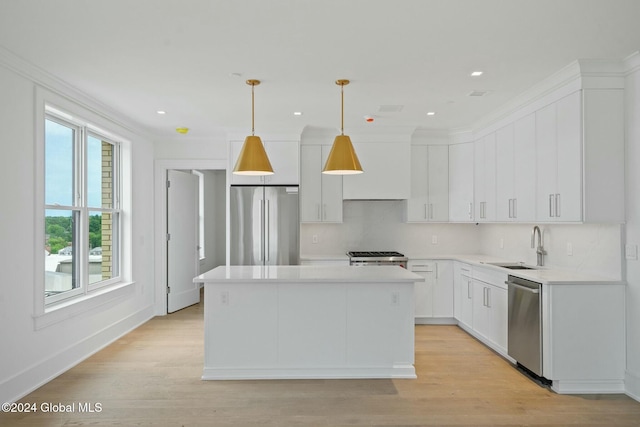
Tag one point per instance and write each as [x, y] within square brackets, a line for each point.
[267, 227]
[261, 228]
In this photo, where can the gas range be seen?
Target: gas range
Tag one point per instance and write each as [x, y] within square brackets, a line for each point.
[377, 258]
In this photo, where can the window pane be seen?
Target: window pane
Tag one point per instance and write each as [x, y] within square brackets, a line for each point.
[100, 175]
[103, 227]
[61, 265]
[58, 164]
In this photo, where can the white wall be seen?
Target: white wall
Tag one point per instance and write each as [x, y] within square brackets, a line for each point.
[632, 380]
[596, 248]
[215, 199]
[30, 357]
[378, 225]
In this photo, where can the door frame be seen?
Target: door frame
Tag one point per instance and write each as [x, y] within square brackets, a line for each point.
[161, 167]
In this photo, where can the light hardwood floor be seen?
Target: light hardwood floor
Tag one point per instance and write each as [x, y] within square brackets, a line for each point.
[151, 377]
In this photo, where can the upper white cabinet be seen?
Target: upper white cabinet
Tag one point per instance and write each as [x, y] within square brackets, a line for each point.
[461, 163]
[580, 157]
[516, 171]
[320, 194]
[429, 199]
[387, 172]
[485, 178]
[284, 158]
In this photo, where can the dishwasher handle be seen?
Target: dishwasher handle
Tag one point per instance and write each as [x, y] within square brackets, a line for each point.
[524, 288]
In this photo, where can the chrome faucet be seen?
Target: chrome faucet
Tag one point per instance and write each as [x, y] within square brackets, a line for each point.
[540, 252]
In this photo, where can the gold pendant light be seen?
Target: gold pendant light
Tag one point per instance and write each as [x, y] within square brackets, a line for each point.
[342, 158]
[253, 158]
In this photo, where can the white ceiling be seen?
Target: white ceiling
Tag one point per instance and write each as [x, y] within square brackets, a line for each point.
[184, 56]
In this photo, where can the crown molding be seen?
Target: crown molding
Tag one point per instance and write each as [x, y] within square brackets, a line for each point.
[42, 78]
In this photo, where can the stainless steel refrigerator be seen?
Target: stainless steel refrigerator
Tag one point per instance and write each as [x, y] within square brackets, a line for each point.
[265, 225]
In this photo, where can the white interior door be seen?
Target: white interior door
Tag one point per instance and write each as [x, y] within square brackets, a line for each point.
[182, 243]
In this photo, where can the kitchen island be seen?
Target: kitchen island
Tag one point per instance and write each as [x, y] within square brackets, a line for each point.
[294, 322]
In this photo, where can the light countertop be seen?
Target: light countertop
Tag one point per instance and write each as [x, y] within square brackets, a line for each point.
[309, 274]
[544, 275]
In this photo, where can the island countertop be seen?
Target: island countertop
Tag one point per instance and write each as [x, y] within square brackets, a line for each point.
[308, 274]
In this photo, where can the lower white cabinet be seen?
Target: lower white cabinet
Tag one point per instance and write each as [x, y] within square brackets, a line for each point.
[481, 304]
[490, 313]
[463, 294]
[434, 296]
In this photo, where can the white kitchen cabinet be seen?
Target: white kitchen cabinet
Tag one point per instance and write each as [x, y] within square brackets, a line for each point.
[580, 157]
[516, 171]
[559, 163]
[387, 172]
[429, 198]
[485, 178]
[434, 296]
[463, 295]
[490, 313]
[461, 182]
[320, 194]
[284, 158]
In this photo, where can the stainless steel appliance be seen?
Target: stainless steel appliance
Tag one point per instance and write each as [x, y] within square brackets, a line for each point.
[525, 323]
[377, 258]
[265, 225]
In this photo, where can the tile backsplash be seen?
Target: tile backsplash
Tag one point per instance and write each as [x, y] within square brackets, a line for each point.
[379, 225]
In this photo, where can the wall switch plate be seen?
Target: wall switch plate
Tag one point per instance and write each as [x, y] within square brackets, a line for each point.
[631, 252]
[314, 239]
[569, 249]
[434, 240]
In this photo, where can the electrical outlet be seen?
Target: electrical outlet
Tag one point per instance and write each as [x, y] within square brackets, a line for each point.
[434, 240]
[631, 252]
[569, 249]
[395, 298]
[314, 239]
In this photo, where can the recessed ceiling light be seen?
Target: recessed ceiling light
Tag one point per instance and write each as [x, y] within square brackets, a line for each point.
[431, 113]
[161, 112]
[476, 73]
[297, 113]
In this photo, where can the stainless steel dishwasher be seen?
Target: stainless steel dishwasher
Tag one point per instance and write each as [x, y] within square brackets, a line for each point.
[525, 323]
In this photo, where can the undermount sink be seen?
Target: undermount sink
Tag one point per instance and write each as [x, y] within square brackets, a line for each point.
[511, 265]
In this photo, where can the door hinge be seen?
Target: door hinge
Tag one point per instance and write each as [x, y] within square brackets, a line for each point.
[168, 237]
[168, 289]
[168, 183]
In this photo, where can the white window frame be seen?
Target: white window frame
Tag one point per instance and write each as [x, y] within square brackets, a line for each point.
[88, 296]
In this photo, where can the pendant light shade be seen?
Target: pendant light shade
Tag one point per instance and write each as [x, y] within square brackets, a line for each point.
[342, 158]
[253, 158]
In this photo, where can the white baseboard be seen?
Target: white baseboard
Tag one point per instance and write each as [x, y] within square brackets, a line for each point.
[339, 372]
[588, 387]
[33, 377]
[632, 385]
[435, 321]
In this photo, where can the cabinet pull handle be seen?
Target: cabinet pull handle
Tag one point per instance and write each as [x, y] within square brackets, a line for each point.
[510, 208]
[488, 297]
[470, 210]
[558, 205]
[468, 289]
[515, 208]
[436, 270]
[551, 207]
[425, 211]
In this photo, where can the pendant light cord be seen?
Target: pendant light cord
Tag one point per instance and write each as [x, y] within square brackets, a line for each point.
[341, 109]
[252, 110]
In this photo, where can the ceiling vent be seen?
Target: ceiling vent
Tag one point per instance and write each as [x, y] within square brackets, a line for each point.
[477, 93]
[390, 108]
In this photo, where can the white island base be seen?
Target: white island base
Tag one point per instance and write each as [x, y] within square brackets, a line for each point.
[301, 322]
